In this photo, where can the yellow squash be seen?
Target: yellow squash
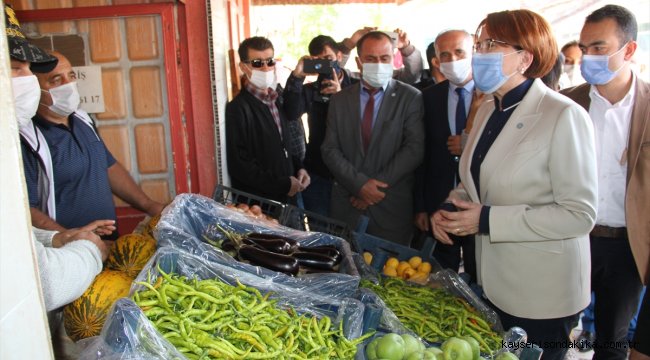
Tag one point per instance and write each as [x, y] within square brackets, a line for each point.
[85, 316]
[130, 253]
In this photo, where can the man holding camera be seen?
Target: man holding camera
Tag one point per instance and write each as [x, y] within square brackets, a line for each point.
[326, 58]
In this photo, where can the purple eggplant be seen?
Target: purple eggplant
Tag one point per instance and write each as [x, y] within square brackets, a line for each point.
[261, 236]
[314, 260]
[329, 250]
[270, 260]
[279, 246]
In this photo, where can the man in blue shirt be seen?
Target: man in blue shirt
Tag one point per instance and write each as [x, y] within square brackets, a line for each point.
[86, 175]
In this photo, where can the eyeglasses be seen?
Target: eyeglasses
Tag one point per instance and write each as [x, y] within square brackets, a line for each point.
[489, 44]
[258, 63]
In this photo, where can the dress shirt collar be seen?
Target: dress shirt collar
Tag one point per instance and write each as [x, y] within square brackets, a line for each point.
[469, 86]
[628, 99]
[266, 96]
[366, 86]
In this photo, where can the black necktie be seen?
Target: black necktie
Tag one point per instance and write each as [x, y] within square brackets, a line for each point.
[461, 116]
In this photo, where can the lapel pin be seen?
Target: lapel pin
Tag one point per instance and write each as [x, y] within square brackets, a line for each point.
[520, 125]
[393, 94]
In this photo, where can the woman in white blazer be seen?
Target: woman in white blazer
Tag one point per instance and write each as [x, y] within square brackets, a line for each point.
[528, 184]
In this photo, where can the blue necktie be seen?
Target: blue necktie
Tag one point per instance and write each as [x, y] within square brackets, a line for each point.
[461, 116]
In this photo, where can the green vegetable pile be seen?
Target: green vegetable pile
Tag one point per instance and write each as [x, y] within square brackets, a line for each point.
[209, 319]
[434, 314]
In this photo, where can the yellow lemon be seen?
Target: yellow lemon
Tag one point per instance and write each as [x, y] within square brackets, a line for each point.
[390, 271]
[408, 272]
[403, 265]
[367, 257]
[392, 262]
[419, 277]
[425, 267]
[415, 262]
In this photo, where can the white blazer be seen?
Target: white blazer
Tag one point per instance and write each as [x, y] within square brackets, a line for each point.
[539, 177]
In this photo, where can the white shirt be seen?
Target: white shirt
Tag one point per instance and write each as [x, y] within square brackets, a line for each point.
[452, 102]
[612, 129]
[65, 272]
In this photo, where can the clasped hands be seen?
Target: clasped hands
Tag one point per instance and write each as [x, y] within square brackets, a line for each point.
[371, 193]
[461, 223]
[299, 182]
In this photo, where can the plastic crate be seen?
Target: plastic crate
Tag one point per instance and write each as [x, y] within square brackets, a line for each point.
[382, 249]
[226, 195]
[304, 220]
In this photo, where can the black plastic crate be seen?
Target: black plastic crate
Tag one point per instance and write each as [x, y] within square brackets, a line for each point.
[304, 220]
[226, 195]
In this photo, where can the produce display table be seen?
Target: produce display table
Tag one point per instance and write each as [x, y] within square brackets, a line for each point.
[150, 324]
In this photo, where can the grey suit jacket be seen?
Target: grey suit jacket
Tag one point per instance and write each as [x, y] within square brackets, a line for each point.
[395, 151]
[539, 177]
[637, 194]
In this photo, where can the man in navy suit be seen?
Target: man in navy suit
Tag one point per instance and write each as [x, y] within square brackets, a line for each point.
[446, 106]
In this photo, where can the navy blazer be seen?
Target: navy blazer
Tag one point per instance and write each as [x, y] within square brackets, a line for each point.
[435, 177]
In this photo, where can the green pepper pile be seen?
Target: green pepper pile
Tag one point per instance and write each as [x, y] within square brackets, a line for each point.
[209, 319]
[434, 314]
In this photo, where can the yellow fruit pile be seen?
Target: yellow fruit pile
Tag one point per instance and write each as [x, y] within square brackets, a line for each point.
[414, 269]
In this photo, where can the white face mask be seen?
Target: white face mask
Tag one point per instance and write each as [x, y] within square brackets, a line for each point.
[27, 94]
[263, 79]
[377, 75]
[573, 74]
[456, 71]
[65, 99]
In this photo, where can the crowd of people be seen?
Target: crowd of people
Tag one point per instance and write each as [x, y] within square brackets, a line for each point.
[528, 163]
[540, 194]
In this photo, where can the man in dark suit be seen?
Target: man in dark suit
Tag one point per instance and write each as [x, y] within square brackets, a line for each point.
[256, 130]
[446, 108]
[374, 142]
[618, 104]
[432, 75]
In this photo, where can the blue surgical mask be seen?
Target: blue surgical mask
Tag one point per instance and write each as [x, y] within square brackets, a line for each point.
[487, 70]
[595, 68]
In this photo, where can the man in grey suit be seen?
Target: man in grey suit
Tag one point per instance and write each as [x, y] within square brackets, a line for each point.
[373, 144]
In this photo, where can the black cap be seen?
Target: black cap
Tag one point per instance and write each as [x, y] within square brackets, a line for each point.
[20, 49]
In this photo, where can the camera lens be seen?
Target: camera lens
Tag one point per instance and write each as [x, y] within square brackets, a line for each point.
[318, 66]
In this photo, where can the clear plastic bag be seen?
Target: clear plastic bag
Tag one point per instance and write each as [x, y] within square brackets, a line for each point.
[128, 334]
[446, 279]
[191, 218]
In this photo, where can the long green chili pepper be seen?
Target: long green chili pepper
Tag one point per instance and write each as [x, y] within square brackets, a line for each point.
[434, 314]
[209, 319]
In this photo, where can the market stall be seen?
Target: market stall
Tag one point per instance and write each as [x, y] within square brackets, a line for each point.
[202, 295]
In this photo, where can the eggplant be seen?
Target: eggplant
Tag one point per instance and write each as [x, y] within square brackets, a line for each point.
[279, 246]
[270, 260]
[329, 250]
[227, 246]
[261, 236]
[314, 260]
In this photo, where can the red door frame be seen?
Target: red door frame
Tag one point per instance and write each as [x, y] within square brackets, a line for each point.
[181, 154]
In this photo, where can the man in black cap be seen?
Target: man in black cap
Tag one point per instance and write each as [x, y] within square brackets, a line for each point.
[68, 261]
[26, 59]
